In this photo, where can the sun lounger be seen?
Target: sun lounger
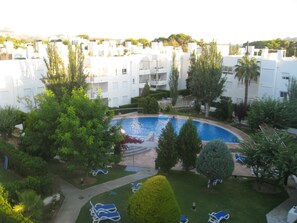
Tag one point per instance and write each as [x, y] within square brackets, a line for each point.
[217, 217]
[95, 172]
[240, 158]
[97, 208]
[184, 219]
[111, 216]
[135, 186]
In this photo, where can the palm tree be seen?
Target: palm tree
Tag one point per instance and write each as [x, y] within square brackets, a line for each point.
[246, 70]
[30, 205]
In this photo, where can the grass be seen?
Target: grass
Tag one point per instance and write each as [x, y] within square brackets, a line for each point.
[74, 177]
[235, 196]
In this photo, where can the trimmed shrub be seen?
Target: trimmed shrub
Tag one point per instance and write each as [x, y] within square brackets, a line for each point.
[23, 163]
[215, 161]
[154, 202]
[149, 105]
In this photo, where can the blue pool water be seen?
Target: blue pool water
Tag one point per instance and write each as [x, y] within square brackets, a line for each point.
[140, 127]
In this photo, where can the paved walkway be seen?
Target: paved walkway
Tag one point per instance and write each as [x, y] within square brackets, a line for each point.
[75, 198]
[280, 213]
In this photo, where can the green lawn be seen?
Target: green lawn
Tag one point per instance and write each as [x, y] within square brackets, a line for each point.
[74, 177]
[236, 196]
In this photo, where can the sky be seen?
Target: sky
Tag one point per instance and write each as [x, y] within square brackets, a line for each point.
[225, 21]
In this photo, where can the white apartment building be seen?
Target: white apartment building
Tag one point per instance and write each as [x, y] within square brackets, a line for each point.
[117, 73]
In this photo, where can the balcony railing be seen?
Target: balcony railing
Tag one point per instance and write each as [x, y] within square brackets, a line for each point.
[158, 83]
[144, 71]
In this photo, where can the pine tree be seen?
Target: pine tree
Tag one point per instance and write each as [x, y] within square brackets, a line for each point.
[188, 144]
[167, 152]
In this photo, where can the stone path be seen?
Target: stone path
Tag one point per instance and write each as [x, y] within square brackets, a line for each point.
[75, 198]
[280, 213]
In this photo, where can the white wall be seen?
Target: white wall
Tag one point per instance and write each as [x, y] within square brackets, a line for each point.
[18, 79]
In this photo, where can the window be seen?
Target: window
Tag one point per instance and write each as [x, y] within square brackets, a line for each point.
[283, 94]
[124, 71]
[285, 77]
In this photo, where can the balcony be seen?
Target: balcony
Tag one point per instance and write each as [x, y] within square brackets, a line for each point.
[158, 83]
[98, 79]
[144, 71]
[158, 70]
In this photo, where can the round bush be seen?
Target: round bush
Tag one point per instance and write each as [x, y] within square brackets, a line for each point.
[154, 202]
[215, 161]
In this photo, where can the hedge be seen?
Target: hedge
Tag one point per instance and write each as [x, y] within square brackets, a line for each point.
[159, 95]
[23, 163]
[40, 184]
[184, 92]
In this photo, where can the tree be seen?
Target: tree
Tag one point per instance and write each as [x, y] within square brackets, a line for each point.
[154, 202]
[272, 154]
[146, 90]
[188, 144]
[7, 213]
[84, 136]
[215, 161]
[224, 109]
[176, 40]
[247, 70]
[167, 151]
[76, 77]
[205, 72]
[234, 49]
[275, 113]
[241, 111]
[173, 80]
[58, 77]
[30, 205]
[259, 155]
[56, 73]
[40, 126]
[292, 90]
[9, 118]
[149, 104]
[84, 36]
[144, 42]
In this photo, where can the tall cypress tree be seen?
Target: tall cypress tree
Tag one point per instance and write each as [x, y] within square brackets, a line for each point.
[167, 152]
[173, 80]
[188, 144]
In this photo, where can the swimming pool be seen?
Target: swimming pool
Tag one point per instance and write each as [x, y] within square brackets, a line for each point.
[141, 127]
